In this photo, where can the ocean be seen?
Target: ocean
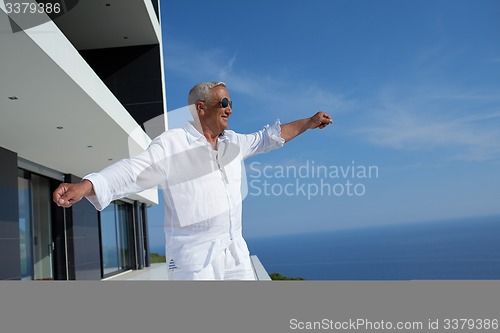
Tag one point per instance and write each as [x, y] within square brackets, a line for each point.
[466, 249]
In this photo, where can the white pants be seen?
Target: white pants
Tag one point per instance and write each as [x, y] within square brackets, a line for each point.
[223, 267]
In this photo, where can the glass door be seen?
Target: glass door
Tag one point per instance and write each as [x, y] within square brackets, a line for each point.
[35, 227]
[43, 244]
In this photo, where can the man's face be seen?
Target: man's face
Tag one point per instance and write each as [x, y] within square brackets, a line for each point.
[215, 116]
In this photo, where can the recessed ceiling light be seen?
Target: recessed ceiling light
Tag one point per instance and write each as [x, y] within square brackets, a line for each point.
[13, 98]
[59, 127]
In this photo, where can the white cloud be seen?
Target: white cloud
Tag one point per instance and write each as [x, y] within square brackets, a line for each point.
[424, 117]
[277, 95]
[468, 131]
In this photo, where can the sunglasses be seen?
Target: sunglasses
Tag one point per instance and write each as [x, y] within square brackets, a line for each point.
[225, 102]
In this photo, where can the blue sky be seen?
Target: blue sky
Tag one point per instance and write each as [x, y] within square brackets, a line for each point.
[413, 88]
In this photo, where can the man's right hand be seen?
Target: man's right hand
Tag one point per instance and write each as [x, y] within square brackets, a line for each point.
[67, 194]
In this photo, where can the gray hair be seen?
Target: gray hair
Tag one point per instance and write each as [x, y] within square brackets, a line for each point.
[201, 91]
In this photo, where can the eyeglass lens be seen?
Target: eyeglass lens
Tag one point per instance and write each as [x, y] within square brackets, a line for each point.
[225, 102]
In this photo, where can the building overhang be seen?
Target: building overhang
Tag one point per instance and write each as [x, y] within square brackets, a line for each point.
[54, 109]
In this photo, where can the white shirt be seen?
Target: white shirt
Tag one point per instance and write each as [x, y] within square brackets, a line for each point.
[203, 189]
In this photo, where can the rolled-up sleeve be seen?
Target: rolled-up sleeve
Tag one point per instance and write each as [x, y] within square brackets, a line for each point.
[103, 195]
[263, 141]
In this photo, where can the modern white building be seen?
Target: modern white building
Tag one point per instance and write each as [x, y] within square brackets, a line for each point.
[75, 91]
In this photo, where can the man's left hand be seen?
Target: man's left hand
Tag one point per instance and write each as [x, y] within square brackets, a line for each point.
[320, 120]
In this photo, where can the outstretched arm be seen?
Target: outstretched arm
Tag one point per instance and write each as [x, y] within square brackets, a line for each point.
[297, 127]
[118, 180]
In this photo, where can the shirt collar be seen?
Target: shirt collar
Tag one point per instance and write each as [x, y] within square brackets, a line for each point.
[194, 135]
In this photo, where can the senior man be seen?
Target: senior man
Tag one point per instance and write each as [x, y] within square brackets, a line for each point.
[199, 169]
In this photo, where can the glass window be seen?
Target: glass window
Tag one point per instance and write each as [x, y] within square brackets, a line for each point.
[108, 240]
[25, 227]
[123, 248]
[115, 238]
